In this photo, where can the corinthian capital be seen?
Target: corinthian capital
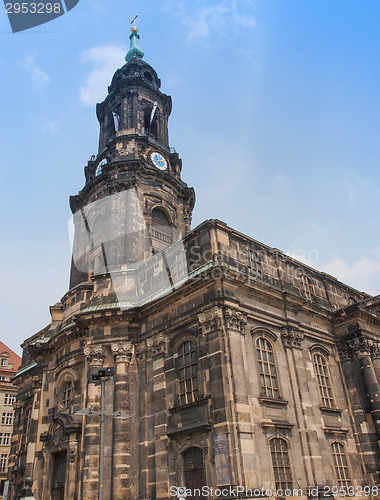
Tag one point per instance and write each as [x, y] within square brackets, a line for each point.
[95, 353]
[211, 319]
[122, 351]
[292, 337]
[364, 346]
[235, 320]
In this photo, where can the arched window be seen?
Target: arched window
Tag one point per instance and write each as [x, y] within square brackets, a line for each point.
[187, 372]
[150, 123]
[267, 368]
[67, 394]
[161, 228]
[341, 465]
[323, 380]
[281, 463]
[307, 287]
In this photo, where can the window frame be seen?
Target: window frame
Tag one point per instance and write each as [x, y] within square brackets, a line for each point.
[285, 482]
[7, 418]
[4, 462]
[9, 398]
[325, 389]
[271, 392]
[191, 382]
[66, 400]
[345, 481]
[308, 287]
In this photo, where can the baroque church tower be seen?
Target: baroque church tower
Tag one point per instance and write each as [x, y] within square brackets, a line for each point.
[223, 364]
[134, 202]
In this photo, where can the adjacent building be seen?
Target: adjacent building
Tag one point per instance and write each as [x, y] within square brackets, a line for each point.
[237, 366]
[9, 364]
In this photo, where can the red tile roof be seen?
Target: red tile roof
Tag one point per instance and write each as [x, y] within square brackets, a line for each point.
[13, 359]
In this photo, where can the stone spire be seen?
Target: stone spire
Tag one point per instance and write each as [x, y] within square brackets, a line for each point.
[134, 50]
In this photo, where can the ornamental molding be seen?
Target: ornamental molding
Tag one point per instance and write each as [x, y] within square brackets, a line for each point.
[73, 447]
[211, 319]
[235, 320]
[193, 441]
[292, 337]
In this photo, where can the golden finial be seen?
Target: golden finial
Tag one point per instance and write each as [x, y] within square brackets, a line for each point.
[134, 29]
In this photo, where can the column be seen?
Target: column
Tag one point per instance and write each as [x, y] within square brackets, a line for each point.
[122, 353]
[95, 358]
[363, 348]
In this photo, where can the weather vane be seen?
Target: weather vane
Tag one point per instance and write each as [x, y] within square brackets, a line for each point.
[134, 21]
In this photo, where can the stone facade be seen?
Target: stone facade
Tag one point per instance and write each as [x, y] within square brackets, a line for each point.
[245, 368]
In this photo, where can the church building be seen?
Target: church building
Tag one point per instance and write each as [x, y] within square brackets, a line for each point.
[195, 358]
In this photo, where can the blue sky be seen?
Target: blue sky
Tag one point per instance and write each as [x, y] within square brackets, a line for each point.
[275, 116]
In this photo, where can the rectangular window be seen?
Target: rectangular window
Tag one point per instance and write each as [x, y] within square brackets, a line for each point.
[187, 372]
[6, 439]
[9, 399]
[7, 419]
[3, 462]
[3, 361]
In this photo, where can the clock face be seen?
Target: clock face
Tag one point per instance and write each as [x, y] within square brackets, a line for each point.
[99, 170]
[158, 160]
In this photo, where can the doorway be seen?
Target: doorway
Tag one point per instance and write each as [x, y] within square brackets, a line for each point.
[59, 476]
[194, 472]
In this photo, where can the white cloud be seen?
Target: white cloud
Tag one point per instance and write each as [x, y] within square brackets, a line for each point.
[217, 18]
[363, 274]
[104, 59]
[39, 78]
[51, 126]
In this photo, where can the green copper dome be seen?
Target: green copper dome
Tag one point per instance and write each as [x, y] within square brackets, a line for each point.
[134, 50]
